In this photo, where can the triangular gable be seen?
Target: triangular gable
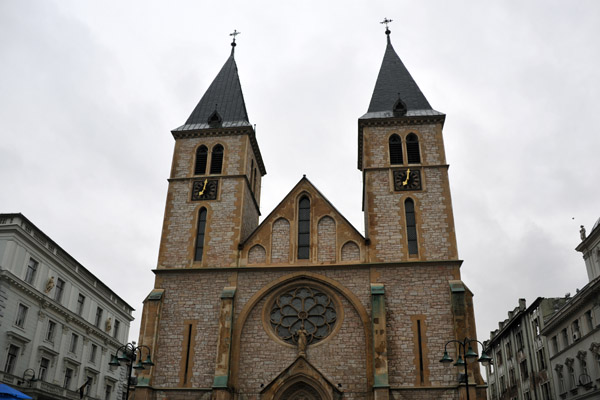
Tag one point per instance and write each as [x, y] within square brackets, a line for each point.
[301, 371]
[330, 232]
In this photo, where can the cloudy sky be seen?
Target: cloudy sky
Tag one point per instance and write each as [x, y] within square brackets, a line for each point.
[89, 92]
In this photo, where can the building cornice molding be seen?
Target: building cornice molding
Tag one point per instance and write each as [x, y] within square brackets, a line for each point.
[46, 302]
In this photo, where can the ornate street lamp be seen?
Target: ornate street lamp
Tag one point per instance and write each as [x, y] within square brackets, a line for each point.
[465, 353]
[128, 354]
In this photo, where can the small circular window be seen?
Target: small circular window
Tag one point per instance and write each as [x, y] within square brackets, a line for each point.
[303, 307]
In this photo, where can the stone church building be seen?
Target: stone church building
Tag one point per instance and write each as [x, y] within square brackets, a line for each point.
[302, 305]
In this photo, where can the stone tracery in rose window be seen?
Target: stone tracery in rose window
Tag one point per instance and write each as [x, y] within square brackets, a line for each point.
[303, 307]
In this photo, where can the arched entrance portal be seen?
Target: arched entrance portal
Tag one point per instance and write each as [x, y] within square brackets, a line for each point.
[300, 391]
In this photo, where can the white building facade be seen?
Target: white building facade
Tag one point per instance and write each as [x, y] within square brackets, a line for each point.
[59, 324]
[573, 332]
[521, 368]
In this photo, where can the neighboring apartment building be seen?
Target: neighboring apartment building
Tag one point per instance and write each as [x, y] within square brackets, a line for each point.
[574, 331]
[521, 360]
[59, 324]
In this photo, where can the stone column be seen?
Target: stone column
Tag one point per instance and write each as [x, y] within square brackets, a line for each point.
[381, 386]
[221, 380]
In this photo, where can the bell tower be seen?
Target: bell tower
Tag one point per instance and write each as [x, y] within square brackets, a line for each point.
[406, 195]
[214, 186]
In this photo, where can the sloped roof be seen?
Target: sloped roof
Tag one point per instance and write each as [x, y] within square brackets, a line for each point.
[289, 198]
[224, 96]
[394, 84]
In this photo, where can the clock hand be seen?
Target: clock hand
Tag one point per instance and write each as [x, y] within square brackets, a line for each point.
[405, 182]
[200, 193]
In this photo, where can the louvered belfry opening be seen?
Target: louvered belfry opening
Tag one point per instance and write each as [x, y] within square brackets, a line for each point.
[216, 162]
[412, 149]
[411, 226]
[304, 228]
[200, 234]
[395, 148]
[201, 159]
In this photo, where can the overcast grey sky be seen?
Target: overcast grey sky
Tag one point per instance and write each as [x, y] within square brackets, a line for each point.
[89, 92]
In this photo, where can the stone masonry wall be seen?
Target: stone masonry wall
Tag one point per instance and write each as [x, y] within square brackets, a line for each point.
[326, 239]
[230, 217]
[384, 206]
[280, 242]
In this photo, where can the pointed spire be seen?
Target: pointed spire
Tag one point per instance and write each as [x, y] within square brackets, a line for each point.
[223, 103]
[396, 93]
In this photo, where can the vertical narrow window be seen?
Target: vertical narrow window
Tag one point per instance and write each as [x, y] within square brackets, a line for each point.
[252, 172]
[11, 359]
[107, 391]
[21, 316]
[411, 227]
[68, 377]
[31, 270]
[421, 369]
[200, 234]
[44, 365]
[395, 148]
[187, 354]
[50, 332]
[201, 159]
[216, 160]
[80, 304]
[304, 228]
[412, 149]
[73, 344]
[93, 351]
[60, 287]
[98, 319]
[254, 181]
[117, 326]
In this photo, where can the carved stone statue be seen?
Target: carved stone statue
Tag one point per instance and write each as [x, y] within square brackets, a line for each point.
[302, 342]
[108, 325]
[582, 234]
[49, 284]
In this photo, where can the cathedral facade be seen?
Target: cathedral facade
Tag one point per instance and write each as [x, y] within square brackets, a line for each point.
[302, 305]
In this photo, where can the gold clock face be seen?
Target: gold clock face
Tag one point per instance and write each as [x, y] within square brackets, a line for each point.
[205, 189]
[407, 179]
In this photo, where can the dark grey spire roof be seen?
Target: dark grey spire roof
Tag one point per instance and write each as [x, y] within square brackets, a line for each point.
[223, 102]
[396, 90]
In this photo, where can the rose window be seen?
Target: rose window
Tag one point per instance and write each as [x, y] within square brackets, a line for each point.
[303, 308]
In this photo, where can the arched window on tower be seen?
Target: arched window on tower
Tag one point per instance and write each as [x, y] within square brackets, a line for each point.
[200, 234]
[411, 227]
[412, 149]
[304, 228]
[395, 147]
[201, 158]
[216, 160]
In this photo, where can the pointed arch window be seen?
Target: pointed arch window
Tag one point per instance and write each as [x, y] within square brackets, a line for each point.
[201, 159]
[412, 149]
[395, 148]
[200, 234]
[411, 227]
[216, 160]
[304, 228]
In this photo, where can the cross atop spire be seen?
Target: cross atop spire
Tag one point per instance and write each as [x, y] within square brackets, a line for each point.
[234, 34]
[386, 22]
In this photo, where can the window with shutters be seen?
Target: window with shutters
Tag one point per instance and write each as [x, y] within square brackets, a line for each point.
[201, 159]
[216, 160]
[395, 148]
[412, 149]
[411, 227]
[200, 234]
[304, 228]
